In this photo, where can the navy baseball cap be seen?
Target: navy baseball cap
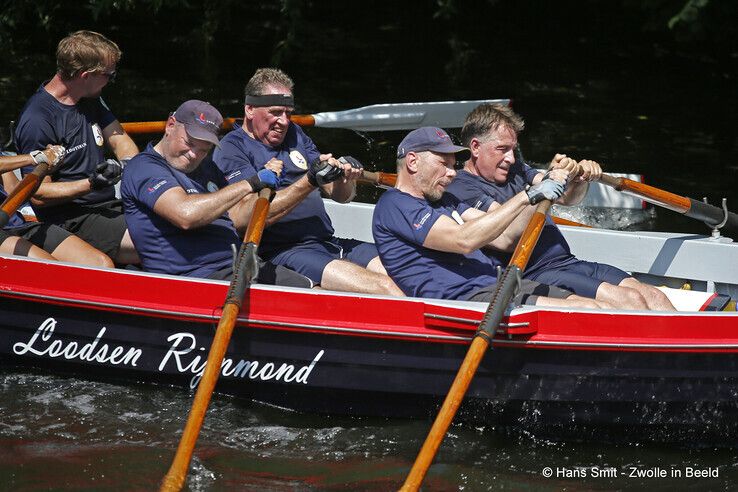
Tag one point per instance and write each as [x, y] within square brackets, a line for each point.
[433, 139]
[200, 119]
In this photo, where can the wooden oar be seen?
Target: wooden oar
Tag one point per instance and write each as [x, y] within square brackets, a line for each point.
[506, 286]
[243, 271]
[689, 207]
[378, 117]
[388, 180]
[27, 186]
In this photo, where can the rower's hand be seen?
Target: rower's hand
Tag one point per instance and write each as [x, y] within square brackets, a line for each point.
[590, 171]
[265, 178]
[324, 170]
[352, 168]
[562, 161]
[275, 165]
[548, 189]
[51, 155]
[107, 173]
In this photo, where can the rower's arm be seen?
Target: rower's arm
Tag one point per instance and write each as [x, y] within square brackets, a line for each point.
[119, 141]
[53, 193]
[478, 228]
[190, 211]
[284, 201]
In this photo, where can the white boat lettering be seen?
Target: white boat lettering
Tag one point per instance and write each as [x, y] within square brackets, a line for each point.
[41, 344]
[180, 355]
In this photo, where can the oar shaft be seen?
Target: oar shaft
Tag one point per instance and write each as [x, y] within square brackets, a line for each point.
[177, 474]
[503, 294]
[450, 406]
[22, 192]
[690, 207]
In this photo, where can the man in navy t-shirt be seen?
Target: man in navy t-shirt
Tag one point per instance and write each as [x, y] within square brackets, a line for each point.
[492, 177]
[68, 110]
[176, 201]
[300, 233]
[430, 242]
[38, 239]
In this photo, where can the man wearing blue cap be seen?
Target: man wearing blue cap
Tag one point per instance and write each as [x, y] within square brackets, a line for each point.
[177, 202]
[300, 233]
[430, 242]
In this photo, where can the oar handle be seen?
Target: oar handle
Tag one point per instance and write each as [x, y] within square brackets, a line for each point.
[690, 207]
[379, 179]
[22, 192]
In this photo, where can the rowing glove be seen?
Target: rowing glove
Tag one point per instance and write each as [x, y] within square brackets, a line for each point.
[266, 178]
[321, 173]
[548, 189]
[347, 159]
[107, 173]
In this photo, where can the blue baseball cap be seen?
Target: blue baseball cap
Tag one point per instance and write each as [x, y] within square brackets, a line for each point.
[433, 139]
[201, 120]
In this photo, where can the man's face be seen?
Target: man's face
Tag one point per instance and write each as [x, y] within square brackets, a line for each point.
[435, 173]
[494, 153]
[269, 124]
[185, 152]
[98, 79]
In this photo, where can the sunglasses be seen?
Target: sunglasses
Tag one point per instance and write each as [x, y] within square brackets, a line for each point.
[110, 75]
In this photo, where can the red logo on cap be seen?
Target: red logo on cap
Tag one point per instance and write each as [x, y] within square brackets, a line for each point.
[441, 134]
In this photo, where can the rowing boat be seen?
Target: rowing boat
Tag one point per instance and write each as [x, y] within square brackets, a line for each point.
[341, 353]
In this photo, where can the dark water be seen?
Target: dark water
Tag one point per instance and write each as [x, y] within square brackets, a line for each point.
[69, 434]
[589, 82]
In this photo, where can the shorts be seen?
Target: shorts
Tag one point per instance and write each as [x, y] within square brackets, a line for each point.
[311, 257]
[581, 277]
[528, 293]
[102, 225]
[271, 274]
[46, 236]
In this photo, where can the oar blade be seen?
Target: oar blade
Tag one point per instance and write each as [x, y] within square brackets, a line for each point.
[402, 116]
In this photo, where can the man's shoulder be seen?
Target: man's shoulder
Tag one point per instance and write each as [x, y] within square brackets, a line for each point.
[145, 162]
[40, 104]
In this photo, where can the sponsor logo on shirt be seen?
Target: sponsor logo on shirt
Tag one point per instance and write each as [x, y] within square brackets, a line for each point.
[158, 185]
[191, 191]
[212, 187]
[233, 175]
[76, 148]
[98, 134]
[298, 159]
[422, 221]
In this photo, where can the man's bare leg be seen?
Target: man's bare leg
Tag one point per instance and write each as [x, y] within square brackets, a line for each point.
[127, 254]
[345, 276]
[75, 250]
[21, 247]
[655, 299]
[573, 301]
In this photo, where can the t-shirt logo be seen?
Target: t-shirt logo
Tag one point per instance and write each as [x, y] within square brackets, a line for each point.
[97, 134]
[298, 159]
[420, 224]
[212, 187]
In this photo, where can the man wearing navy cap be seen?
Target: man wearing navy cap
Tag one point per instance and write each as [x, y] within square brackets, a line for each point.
[176, 201]
[430, 242]
[299, 233]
